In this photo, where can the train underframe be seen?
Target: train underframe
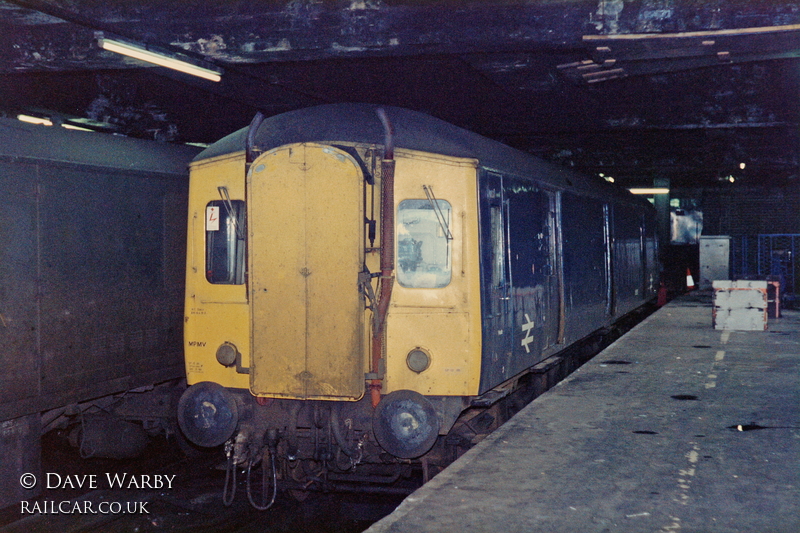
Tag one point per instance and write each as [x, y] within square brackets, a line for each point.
[312, 446]
[333, 445]
[307, 446]
[304, 446]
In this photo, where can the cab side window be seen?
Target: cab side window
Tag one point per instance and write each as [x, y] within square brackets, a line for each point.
[225, 239]
[423, 244]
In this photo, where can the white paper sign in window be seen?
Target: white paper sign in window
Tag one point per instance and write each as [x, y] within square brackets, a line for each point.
[212, 218]
[225, 234]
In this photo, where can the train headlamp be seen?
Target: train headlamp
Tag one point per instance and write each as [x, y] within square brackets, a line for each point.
[226, 354]
[418, 360]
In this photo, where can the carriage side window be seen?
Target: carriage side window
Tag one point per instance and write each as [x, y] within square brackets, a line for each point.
[225, 237]
[423, 244]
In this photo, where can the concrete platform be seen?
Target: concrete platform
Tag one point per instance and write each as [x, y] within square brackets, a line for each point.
[675, 427]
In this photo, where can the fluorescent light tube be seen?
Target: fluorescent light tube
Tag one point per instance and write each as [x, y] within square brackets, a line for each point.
[72, 127]
[158, 59]
[656, 190]
[35, 120]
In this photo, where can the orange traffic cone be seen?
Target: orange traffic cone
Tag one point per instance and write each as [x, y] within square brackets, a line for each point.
[689, 280]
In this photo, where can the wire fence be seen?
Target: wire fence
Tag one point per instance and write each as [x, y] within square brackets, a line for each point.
[770, 257]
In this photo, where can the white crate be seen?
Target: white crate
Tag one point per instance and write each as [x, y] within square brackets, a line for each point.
[740, 305]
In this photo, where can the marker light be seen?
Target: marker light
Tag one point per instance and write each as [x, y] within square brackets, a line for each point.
[226, 354]
[418, 360]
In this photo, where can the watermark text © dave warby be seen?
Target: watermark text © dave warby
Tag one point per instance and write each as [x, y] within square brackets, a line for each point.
[107, 481]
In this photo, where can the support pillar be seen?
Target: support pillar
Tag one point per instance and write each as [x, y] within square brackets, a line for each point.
[661, 202]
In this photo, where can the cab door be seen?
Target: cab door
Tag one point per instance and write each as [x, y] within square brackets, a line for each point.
[496, 305]
[305, 224]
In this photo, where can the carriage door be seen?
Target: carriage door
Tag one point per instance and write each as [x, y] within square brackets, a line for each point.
[534, 270]
[496, 284]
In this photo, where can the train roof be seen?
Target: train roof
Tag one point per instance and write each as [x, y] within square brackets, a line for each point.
[101, 150]
[359, 123]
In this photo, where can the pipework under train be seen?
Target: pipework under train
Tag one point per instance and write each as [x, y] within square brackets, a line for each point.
[92, 237]
[359, 279]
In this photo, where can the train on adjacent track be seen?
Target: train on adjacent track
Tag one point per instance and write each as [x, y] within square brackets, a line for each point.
[92, 234]
[361, 279]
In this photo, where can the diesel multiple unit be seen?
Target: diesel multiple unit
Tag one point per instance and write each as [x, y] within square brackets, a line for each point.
[358, 278]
